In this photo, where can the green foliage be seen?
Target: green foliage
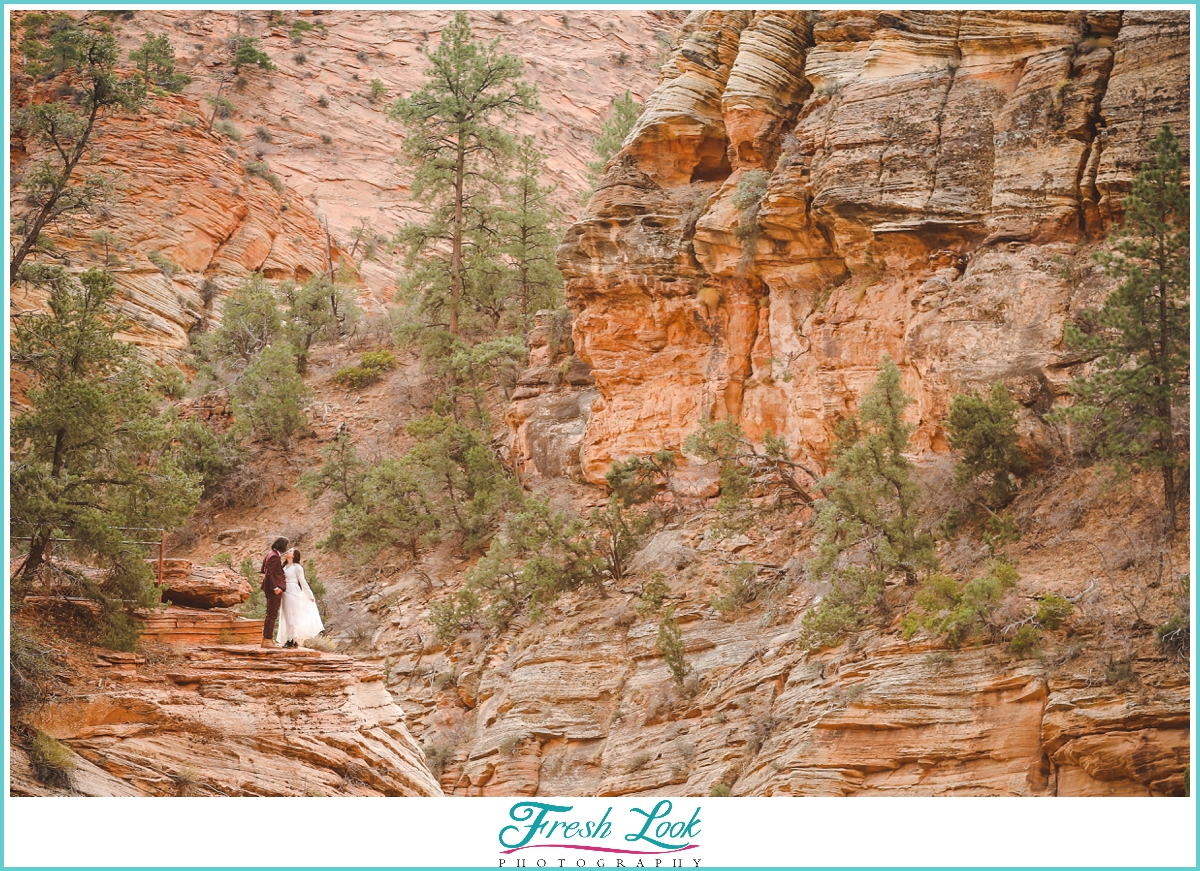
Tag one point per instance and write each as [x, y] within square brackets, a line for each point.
[299, 28]
[53, 761]
[1175, 636]
[654, 593]
[50, 189]
[224, 558]
[255, 607]
[747, 198]
[207, 455]
[540, 554]
[370, 369]
[229, 130]
[270, 395]
[156, 61]
[1025, 642]
[844, 610]
[341, 471]
[314, 580]
[258, 169]
[32, 671]
[94, 452]
[622, 116]
[457, 142]
[222, 106]
[165, 265]
[720, 790]
[379, 91]
[737, 590]
[670, 645]
[250, 320]
[960, 615]
[872, 492]
[532, 227]
[985, 430]
[387, 506]
[263, 134]
[743, 467]
[999, 530]
[318, 308]
[1053, 611]
[1127, 408]
[247, 51]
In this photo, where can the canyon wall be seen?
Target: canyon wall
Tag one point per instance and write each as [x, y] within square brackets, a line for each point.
[185, 193]
[932, 185]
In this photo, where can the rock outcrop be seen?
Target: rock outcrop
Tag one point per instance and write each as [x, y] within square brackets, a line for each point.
[807, 192]
[315, 151]
[224, 720]
[203, 586]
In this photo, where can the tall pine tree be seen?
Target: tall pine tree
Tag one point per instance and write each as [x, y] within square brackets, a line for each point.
[621, 118]
[1142, 339]
[458, 145]
[532, 229]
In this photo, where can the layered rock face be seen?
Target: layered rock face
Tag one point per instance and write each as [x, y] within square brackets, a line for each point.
[807, 192]
[186, 194]
[225, 720]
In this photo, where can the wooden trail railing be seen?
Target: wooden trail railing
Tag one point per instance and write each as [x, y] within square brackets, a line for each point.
[161, 541]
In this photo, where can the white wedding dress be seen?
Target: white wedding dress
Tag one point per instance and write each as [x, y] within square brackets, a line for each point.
[299, 619]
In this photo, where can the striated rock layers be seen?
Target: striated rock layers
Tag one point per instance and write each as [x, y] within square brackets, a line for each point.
[807, 192]
[227, 720]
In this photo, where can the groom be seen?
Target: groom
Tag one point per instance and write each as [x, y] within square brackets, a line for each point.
[273, 586]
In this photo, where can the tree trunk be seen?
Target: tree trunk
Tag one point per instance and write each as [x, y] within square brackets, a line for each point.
[456, 238]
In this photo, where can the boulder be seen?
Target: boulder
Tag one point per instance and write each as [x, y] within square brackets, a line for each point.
[206, 587]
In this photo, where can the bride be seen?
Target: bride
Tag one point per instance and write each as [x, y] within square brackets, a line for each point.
[299, 619]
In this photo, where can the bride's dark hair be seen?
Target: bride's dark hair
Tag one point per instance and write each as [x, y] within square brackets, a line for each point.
[295, 554]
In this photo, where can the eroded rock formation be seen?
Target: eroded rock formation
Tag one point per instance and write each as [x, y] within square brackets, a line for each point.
[935, 181]
[223, 720]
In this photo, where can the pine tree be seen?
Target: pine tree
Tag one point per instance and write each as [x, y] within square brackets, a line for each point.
[93, 453]
[1142, 341]
[455, 138]
[621, 118]
[872, 492]
[531, 225]
[985, 430]
[156, 61]
[270, 395]
[65, 128]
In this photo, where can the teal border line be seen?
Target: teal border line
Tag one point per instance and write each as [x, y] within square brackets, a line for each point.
[618, 5]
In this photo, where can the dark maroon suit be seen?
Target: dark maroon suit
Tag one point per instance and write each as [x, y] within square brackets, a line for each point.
[272, 569]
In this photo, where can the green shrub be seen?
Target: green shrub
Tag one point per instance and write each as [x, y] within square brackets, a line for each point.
[256, 606]
[270, 395]
[378, 91]
[223, 107]
[224, 558]
[653, 594]
[32, 670]
[53, 761]
[326, 139]
[1025, 643]
[227, 129]
[261, 170]
[985, 430]
[121, 630]
[437, 756]
[737, 590]
[165, 265]
[356, 377]
[670, 645]
[720, 790]
[263, 134]
[1175, 636]
[370, 369]
[300, 57]
[959, 615]
[314, 580]
[1053, 611]
[854, 593]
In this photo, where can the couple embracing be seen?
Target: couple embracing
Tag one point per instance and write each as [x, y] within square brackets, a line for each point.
[290, 601]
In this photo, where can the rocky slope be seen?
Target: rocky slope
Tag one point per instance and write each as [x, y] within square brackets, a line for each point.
[186, 194]
[934, 183]
[221, 719]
